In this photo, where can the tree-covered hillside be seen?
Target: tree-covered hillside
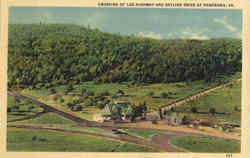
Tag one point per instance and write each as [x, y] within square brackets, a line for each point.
[44, 55]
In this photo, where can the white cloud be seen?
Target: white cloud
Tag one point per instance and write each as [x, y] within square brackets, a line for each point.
[150, 35]
[230, 27]
[225, 23]
[188, 33]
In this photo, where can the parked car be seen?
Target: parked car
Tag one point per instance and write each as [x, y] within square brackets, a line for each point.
[116, 131]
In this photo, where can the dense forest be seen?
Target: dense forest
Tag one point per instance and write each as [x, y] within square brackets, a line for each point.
[45, 55]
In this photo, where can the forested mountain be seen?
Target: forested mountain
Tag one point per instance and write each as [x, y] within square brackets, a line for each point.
[44, 55]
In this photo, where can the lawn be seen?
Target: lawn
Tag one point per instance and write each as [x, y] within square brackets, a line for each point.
[46, 119]
[43, 140]
[21, 108]
[206, 144]
[41, 93]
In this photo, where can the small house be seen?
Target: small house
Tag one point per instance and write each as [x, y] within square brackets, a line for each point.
[153, 116]
[120, 93]
[98, 118]
[116, 111]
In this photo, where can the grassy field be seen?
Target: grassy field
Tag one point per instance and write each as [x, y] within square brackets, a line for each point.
[206, 144]
[226, 100]
[21, 109]
[47, 119]
[43, 140]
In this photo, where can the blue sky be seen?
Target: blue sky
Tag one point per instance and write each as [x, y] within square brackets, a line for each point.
[164, 23]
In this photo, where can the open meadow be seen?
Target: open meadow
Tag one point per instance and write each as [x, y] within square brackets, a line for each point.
[44, 140]
[205, 144]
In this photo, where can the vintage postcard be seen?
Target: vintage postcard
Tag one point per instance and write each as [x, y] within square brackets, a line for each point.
[124, 78]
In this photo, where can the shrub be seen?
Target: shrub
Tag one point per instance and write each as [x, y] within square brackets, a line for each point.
[76, 100]
[34, 138]
[55, 98]
[160, 113]
[97, 81]
[172, 109]
[15, 108]
[9, 109]
[101, 98]
[236, 108]
[106, 93]
[25, 102]
[70, 88]
[194, 110]
[165, 112]
[120, 92]
[79, 108]
[52, 91]
[172, 93]
[208, 124]
[31, 107]
[100, 105]
[70, 105]
[154, 121]
[185, 120]
[164, 95]
[83, 91]
[91, 102]
[129, 85]
[17, 100]
[212, 110]
[150, 93]
[61, 100]
[90, 93]
[101, 95]
[106, 101]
